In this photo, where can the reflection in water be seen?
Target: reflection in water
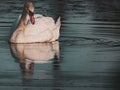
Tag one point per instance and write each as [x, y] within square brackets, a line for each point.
[29, 54]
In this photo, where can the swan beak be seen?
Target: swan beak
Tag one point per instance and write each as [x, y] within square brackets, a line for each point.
[32, 19]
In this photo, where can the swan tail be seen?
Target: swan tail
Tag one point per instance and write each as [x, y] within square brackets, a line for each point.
[56, 30]
[58, 22]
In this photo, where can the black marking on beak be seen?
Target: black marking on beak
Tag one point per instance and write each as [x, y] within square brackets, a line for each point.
[31, 13]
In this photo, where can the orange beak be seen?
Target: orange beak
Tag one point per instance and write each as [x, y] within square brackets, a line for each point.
[32, 19]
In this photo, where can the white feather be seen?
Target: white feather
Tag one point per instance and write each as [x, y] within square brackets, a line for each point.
[44, 30]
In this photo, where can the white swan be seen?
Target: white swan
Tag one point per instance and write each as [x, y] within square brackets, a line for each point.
[29, 54]
[35, 27]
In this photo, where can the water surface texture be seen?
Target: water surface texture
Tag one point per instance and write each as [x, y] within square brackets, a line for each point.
[87, 56]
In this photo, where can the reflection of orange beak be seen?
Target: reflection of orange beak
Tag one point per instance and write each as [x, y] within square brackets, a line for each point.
[31, 67]
[32, 19]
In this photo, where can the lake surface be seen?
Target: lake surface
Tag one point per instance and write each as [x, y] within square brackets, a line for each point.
[89, 47]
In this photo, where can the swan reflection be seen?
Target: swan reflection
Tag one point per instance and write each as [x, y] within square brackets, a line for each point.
[29, 54]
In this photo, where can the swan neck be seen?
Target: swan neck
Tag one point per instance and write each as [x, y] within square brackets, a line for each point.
[24, 19]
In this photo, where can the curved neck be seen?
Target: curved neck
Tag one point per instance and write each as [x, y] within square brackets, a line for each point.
[24, 19]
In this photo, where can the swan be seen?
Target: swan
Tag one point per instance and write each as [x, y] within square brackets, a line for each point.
[35, 27]
[30, 54]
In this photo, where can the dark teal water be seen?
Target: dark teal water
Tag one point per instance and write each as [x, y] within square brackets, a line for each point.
[89, 47]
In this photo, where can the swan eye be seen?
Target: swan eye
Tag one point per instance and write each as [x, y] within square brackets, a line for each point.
[31, 13]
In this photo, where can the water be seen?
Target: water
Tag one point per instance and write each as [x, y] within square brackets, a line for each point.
[89, 47]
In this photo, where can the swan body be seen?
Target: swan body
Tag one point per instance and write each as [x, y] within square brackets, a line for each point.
[35, 27]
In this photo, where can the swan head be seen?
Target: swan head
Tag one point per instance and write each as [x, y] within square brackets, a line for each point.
[29, 8]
